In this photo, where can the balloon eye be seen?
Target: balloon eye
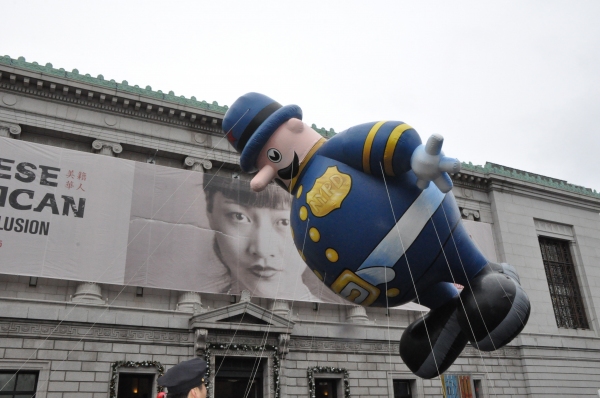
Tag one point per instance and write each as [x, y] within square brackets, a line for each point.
[274, 155]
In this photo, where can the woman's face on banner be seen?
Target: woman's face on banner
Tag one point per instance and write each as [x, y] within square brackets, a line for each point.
[253, 243]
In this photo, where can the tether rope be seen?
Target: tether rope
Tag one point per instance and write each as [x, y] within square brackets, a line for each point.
[459, 295]
[476, 303]
[108, 267]
[408, 266]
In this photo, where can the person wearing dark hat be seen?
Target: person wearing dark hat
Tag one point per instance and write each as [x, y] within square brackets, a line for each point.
[185, 380]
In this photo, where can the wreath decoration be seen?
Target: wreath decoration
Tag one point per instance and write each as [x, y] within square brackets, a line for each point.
[114, 367]
[327, 369]
[245, 348]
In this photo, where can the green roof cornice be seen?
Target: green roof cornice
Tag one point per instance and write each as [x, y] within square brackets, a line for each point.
[124, 86]
[488, 168]
[324, 132]
[492, 168]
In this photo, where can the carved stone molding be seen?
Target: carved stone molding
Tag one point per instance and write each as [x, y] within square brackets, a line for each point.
[470, 214]
[554, 229]
[8, 129]
[229, 338]
[283, 346]
[356, 314]
[343, 346]
[77, 332]
[88, 293]
[107, 147]
[503, 352]
[201, 339]
[190, 302]
[197, 164]
[205, 120]
[467, 180]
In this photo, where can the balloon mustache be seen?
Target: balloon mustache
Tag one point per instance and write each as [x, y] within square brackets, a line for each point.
[291, 170]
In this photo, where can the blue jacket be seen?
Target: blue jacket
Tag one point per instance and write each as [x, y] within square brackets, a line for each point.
[363, 226]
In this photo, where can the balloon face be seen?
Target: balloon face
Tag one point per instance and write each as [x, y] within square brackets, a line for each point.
[280, 158]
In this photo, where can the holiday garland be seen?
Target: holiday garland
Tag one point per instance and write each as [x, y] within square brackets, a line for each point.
[327, 369]
[131, 364]
[245, 348]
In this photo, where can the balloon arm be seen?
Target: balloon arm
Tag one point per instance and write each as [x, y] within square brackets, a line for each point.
[429, 164]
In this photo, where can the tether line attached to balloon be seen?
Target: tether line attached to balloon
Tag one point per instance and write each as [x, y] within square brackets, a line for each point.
[502, 287]
[389, 315]
[312, 337]
[408, 266]
[16, 118]
[264, 339]
[238, 235]
[111, 264]
[476, 303]
[459, 296]
[291, 312]
[117, 296]
[107, 268]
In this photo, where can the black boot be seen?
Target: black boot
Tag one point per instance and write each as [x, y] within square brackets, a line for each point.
[496, 308]
[443, 333]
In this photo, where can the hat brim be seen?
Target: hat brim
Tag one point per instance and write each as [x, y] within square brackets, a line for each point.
[262, 134]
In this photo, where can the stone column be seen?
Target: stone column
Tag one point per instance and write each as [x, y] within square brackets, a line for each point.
[356, 314]
[196, 164]
[281, 308]
[190, 302]
[107, 148]
[88, 293]
[9, 129]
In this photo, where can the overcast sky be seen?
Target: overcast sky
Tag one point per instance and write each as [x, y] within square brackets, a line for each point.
[511, 82]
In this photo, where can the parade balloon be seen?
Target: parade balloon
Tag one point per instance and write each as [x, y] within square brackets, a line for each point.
[374, 217]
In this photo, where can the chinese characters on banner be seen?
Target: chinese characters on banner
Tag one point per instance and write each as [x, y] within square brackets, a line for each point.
[71, 176]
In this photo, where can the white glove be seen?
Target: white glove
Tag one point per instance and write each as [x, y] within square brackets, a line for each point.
[429, 164]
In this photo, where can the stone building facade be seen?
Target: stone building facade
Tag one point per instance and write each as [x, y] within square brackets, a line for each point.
[85, 340]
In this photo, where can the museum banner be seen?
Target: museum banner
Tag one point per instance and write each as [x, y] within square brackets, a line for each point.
[86, 217]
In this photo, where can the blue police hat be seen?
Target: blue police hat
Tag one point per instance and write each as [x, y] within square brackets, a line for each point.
[250, 122]
[182, 377]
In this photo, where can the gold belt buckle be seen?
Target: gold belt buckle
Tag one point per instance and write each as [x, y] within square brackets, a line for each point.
[353, 288]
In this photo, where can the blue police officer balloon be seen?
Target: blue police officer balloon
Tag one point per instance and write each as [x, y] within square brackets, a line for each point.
[374, 217]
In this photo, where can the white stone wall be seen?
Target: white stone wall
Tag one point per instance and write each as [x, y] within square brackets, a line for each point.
[73, 344]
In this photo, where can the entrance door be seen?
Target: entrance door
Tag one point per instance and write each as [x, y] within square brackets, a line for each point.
[239, 377]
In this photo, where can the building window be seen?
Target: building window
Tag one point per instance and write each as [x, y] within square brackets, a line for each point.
[402, 389]
[135, 385]
[562, 282]
[326, 388]
[18, 383]
[477, 388]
